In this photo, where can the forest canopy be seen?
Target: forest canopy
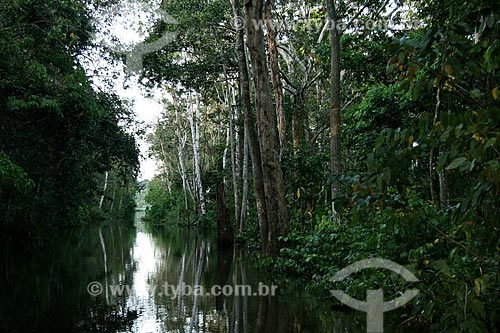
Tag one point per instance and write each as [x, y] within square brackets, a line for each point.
[58, 132]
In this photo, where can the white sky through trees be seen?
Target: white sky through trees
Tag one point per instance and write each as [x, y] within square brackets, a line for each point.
[120, 28]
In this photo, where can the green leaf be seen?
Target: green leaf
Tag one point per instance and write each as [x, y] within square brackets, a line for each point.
[475, 93]
[477, 287]
[456, 163]
[442, 267]
[441, 162]
[490, 143]
[370, 160]
[387, 175]
[477, 308]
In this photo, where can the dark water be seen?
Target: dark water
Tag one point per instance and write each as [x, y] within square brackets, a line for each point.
[147, 280]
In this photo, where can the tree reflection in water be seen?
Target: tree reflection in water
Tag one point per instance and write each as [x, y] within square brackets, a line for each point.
[142, 258]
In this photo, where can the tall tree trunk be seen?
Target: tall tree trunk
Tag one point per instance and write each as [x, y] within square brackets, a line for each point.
[194, 119]
[295, 131]
[275, 75]
[335, 117]
[274, 187]
[113, 198]
[442, 203]
[250, 132]
[226, 149]
[239, 136]
[105, 186]
[232, 147]
[165, 167]
[180, 154]
[197, 158]
[435, 201]
[121, 200]
[244, 198]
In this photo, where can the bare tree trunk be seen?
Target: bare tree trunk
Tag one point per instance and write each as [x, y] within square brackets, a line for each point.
[244, 198]
[121, 201]
[197, 158]
[442, 182]
[250, 132]
[180, 154]
[274, 187]
[232, 147]
[104, 189]
[275, 75]
[226, 148]
[194, 119]
[239, 136]
[183, 176]
[335, 117]
[113, 198]
[165, 168]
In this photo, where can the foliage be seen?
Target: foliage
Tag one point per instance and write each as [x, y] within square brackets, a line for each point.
[382, 108]
[435, 129]
[420, 137]
[57, 132]
[195, 58]
[165, 207]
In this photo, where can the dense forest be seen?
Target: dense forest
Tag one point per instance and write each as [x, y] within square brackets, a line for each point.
[378, 138]
[60, 135]
[314, 133]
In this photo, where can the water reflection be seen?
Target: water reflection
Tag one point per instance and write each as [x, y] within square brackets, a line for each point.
[180, 260]
[46, 290]
[142, 272]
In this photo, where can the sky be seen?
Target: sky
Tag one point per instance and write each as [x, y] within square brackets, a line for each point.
[129, 28]
[147, 110]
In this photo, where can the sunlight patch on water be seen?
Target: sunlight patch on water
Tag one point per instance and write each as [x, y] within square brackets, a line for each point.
[145, 254]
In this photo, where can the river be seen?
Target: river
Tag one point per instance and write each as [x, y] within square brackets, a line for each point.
[119, 278]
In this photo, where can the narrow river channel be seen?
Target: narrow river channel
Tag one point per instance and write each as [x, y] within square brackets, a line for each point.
[119, 278]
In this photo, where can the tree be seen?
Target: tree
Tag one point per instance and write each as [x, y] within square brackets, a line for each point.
[56, 127]
[250, 131]
[274, 189]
